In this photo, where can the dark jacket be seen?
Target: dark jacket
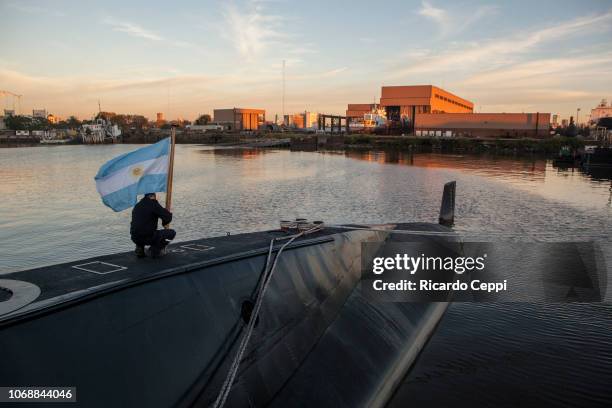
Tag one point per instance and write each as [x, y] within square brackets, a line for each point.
[144, 218]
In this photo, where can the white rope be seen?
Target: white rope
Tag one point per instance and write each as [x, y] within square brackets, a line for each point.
[266, 278]
[408, 232]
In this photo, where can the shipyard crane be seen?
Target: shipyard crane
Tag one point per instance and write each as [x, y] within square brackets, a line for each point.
[14, 95]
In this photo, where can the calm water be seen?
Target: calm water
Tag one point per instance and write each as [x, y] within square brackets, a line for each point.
[502, 354]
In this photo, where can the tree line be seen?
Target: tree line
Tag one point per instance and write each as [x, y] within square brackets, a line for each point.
[21, 122]
[124, 121]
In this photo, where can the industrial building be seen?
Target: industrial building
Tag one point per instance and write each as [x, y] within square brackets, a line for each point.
[303, 120]
[603, 110]
[482, 125]
[240, 118]
[428, 110]
[160, 121]
[310, 119]
[39, 113]
[402, 103]
[358, 110]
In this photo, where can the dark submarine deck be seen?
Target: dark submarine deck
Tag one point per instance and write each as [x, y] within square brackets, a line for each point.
[72, 282]
[66, 283]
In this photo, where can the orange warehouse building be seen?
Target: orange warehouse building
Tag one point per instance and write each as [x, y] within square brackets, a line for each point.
[483, 125]
[404, 102]
[240, 118]
[357, 110]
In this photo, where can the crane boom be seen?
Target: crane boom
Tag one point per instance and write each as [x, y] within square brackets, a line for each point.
[9, 93]
[14, 95]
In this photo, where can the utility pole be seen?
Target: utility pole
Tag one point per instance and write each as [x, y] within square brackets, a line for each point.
[577, 113]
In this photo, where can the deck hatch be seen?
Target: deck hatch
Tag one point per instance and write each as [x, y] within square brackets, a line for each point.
[197, 247]
[99, 267]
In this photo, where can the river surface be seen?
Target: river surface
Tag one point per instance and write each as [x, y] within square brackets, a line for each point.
[481, 354]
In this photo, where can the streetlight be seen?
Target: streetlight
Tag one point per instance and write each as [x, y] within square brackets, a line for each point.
[577, 113]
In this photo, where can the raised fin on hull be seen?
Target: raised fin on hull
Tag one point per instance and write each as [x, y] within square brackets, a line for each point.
[447, 209]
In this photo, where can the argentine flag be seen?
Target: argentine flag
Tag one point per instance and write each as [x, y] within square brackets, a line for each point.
[120, 180]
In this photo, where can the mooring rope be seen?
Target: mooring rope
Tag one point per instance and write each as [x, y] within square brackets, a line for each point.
[408, 232]
[266, 278]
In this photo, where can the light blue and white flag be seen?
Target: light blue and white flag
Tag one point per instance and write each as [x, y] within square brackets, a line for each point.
[120, 180]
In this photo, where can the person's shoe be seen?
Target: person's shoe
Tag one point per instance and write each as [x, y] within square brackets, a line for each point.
[140, 252]
[158, 253]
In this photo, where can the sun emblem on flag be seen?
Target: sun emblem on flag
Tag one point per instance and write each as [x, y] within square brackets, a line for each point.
[137, 171]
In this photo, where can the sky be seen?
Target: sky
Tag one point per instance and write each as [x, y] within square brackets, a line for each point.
[185, 58]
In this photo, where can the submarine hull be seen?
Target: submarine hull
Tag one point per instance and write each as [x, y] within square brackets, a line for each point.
[159, 333]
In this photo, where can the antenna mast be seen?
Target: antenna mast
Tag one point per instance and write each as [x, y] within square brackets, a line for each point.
[283, 91]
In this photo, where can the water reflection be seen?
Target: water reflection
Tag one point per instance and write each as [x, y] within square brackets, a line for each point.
[237, 152]
[595, 173]
[533, 173]
[51, 212]
[483, 164]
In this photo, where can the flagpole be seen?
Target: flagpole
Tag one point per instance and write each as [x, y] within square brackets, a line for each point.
[170, 171]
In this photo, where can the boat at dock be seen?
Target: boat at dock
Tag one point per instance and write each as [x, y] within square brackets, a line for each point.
[597, 157]
[55, 138]
[142, 332]
[567, 157]
[102, 131]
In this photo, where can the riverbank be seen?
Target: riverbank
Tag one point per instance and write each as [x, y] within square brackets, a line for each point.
[304, 141]
[312, 142]
[549, 146]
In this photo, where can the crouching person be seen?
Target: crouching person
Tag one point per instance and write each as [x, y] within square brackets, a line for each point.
[143, 228]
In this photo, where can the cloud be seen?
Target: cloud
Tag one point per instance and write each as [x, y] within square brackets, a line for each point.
[579, 79]
[456, 21]
[531, 97]
[33, 9]
[257, 32]
[78, 95]
[31, 85]
[252, 30]
[438, 15]
[319, 75]
[302, 49]
[545, 71]
[145, 90]
[134, 30]
[483, 55]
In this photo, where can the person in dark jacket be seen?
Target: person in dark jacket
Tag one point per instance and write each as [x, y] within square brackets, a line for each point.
[143, 228]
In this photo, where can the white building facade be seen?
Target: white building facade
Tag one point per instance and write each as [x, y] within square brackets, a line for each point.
[603, 110]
